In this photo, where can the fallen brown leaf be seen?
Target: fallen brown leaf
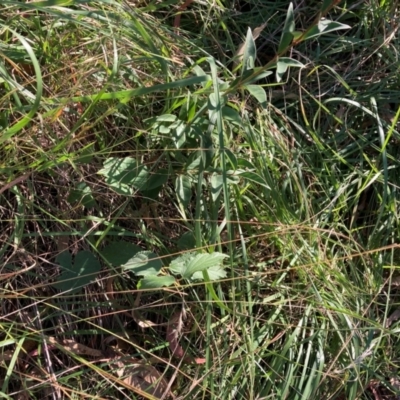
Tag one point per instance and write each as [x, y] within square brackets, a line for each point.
[144, 378]
[76, 348]
[174, 331]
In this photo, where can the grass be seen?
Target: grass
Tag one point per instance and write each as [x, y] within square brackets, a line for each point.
[172, 227]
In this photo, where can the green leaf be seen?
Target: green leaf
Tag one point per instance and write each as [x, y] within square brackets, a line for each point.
[286, 41]
[183, 189]
[283, 64]
[207, 148]
[119, 168]
[290, 62]
[216, 186]
[155, 282]
[140, 181]
[252, 176]
[164, 129]
[155, 180]
[64, 259]
[194, 162]
[214, 273]
[231, 115]
[119, 253]
[288, 29]
[190, 263]
[249, 52]
[178, 265]
[245, 163]
[144, 263]
[124, 173]
[119, 173]
[166, 118]
[203, 262]
[179, 134]
[200, 72]
[324, 26]
[231, 157]
[261, 75]
[81, 273]
[297, 35]
[258, 93]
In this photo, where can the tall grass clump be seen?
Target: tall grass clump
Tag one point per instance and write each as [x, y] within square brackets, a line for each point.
[199, 200]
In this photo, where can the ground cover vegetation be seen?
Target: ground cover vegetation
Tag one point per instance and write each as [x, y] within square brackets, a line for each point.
[199, 199]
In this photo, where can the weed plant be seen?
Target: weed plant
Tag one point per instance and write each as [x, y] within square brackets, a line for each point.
[203, 207]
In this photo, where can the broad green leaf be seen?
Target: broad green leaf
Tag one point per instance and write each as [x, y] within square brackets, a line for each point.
[324, 26]
[216, 186]
[200, 72]
[252, 176]
[155, 282]
[214, 273]
[214, 104]
[231, 115]
[178, 265]
[120, 188]
[64, 259]
[231, 157]
[141, 179]
[155, 179]
[119, 173]
[258, 93]
[262, 75]
[119, 253]
[144, 263]
[183, 189]
[286, 40]
[297, 35]
[193, 162]
[124, 173]
[290, 62]
[249, 52]
[190, 263]
[116, 168]
[245, 163]
[207, 148]
[288, 29]
[84, 269]
[246, 52]
[203, 262]
[164, 129]
[166, 118]
[179, 135]
[283, 64]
